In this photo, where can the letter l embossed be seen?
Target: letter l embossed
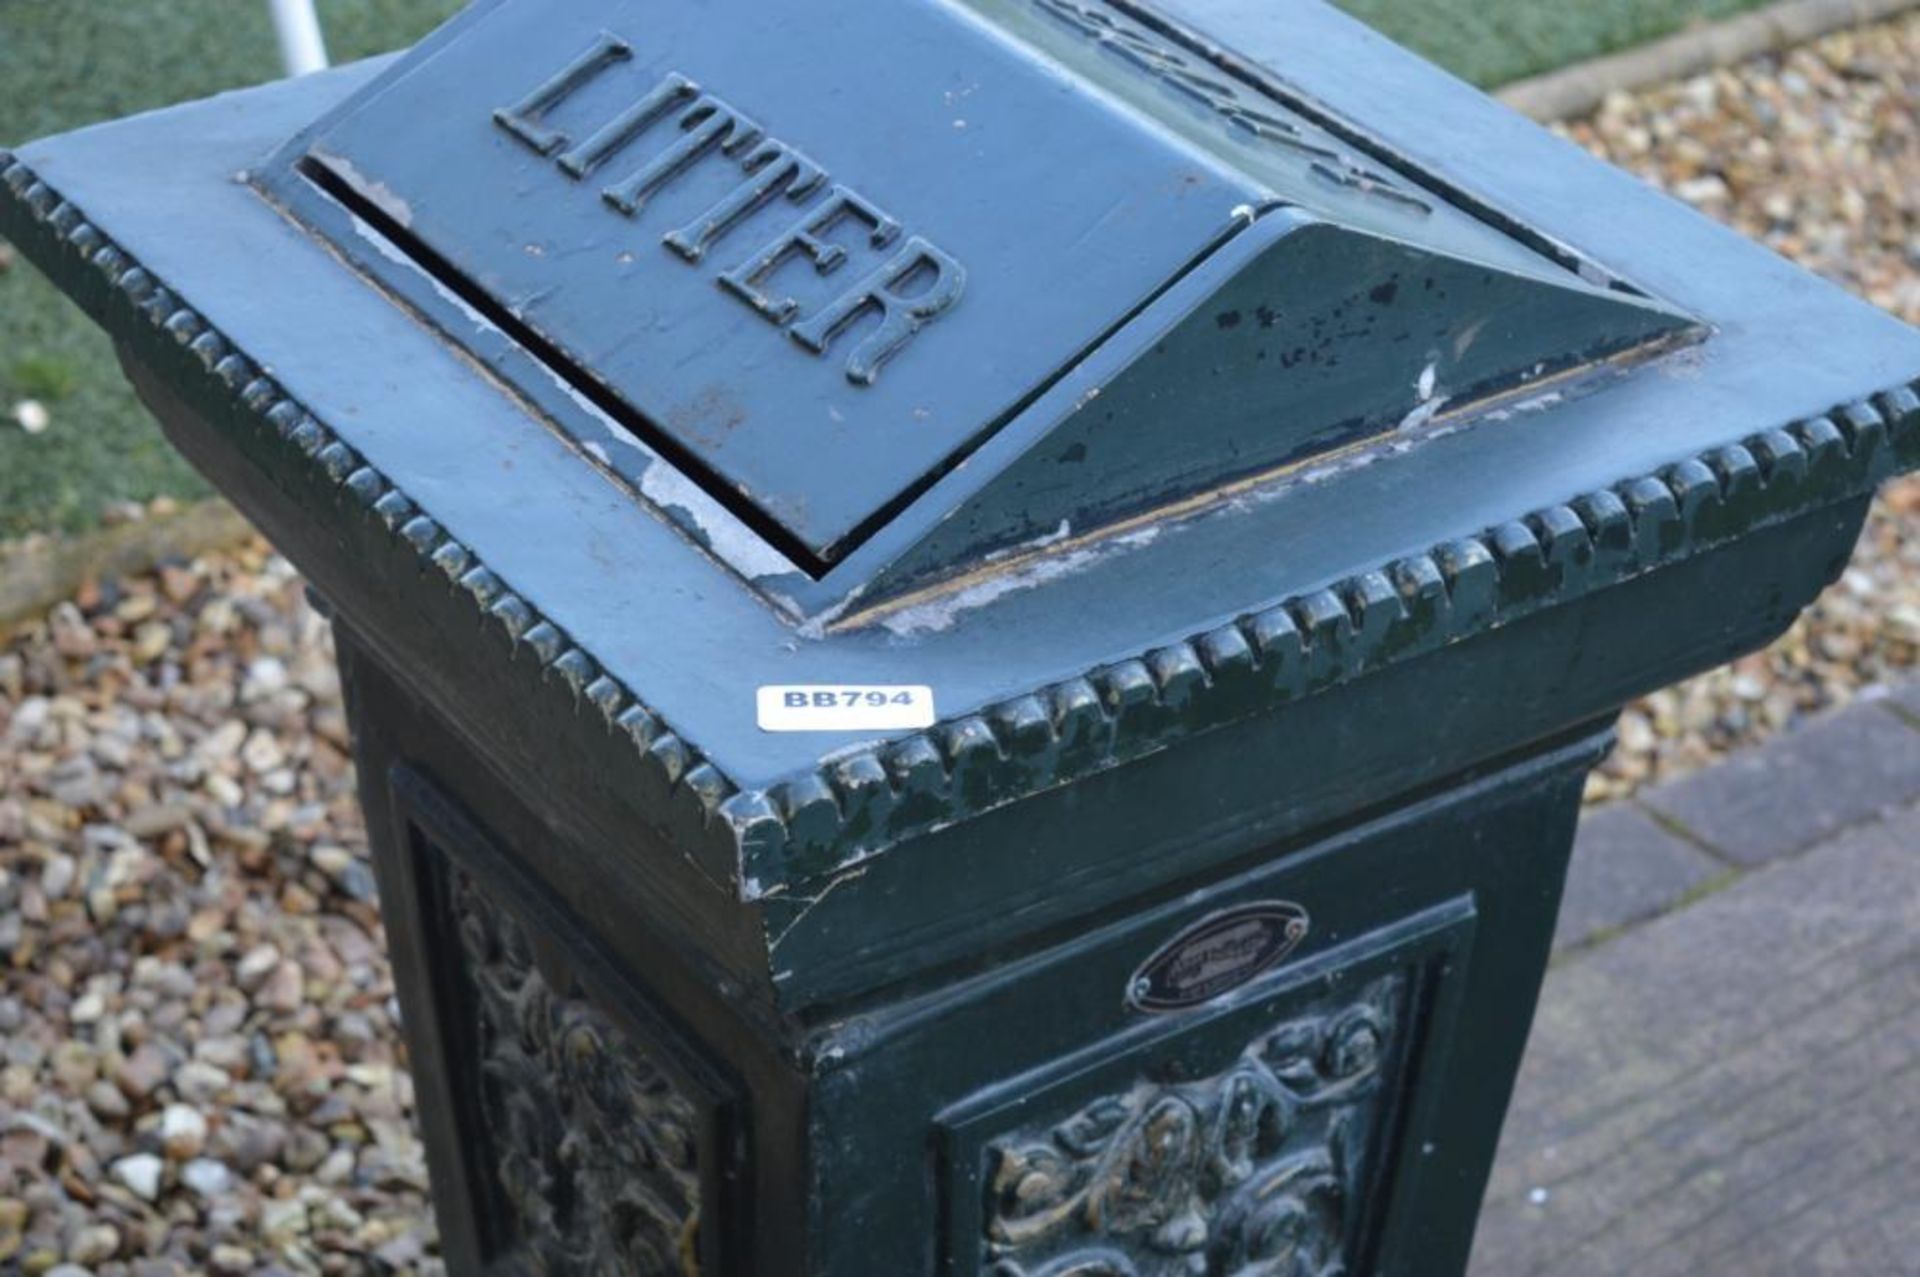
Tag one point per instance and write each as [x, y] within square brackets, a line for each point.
[526, 118]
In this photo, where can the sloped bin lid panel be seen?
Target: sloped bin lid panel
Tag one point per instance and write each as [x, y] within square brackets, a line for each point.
[812, 256]
[633, 182]
[1294, 158]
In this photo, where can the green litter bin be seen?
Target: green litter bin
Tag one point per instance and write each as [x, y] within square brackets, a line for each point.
[974, 627]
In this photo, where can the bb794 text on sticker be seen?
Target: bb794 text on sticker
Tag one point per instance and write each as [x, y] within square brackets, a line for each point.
[845, 707]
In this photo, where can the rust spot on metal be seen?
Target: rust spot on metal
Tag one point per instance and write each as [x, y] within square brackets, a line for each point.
[711, 416]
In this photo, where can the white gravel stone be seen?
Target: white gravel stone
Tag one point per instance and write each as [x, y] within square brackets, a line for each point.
[199, 1082]
[183, 1131]
[141, 1173]
[253, 969]
[207, 1177]
[57, 876]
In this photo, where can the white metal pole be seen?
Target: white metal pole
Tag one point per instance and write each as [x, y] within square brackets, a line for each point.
[302, 47]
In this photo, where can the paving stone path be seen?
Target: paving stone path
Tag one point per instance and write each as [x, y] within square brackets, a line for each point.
[1724, 1077]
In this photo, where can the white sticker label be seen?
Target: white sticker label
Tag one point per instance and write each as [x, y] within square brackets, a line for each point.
[844, 707]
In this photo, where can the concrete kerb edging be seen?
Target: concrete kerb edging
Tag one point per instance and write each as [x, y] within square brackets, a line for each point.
[1579, 90]
[39, 571]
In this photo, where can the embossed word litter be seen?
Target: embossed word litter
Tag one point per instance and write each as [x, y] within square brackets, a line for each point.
[772, 170]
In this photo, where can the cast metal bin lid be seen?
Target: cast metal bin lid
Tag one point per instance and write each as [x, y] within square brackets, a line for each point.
[1262, 379]
[815, 256]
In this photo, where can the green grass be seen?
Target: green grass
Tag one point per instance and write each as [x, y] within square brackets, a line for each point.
[76, 62]
[1492, 42]
[73, 62]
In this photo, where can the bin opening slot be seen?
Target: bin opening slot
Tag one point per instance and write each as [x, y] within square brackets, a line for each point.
[557, 362]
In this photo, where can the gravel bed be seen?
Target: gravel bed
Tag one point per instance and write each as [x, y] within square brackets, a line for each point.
[201, 1069]
[1815, 153]
[201, 1064]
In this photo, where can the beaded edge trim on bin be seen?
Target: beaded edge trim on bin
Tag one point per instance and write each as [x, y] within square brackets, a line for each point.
[843, 811]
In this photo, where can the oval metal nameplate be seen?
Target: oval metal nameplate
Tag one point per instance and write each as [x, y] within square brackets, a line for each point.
[1217, 955]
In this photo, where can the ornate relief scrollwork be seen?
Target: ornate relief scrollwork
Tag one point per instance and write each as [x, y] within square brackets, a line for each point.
[1254, 1172]
[592, 1151]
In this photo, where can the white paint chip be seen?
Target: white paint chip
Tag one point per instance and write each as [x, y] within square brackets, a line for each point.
[1429, 380]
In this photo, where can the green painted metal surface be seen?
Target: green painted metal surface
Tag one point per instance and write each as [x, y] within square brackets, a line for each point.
[1179, 904]
[1206, 240]
[63, 67]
